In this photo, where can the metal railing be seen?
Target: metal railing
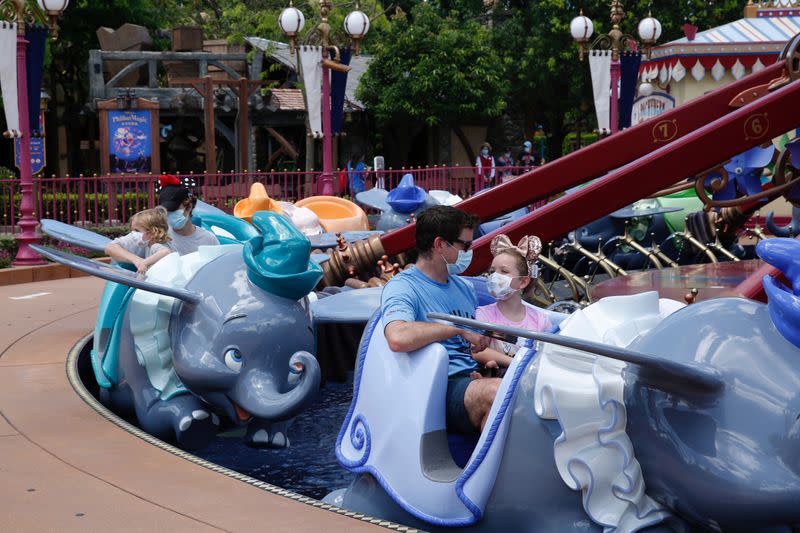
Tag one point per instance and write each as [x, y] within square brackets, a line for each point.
[111, 200]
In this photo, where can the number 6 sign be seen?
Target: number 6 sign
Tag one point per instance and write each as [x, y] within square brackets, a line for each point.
[756, 126]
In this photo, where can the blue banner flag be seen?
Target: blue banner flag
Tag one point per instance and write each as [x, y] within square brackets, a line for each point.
[338, 86]
[34, 61]
[629, 65]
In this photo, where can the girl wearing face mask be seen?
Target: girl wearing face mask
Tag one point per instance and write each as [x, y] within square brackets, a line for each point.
[485, 166]
[509, 275]
[147, 242]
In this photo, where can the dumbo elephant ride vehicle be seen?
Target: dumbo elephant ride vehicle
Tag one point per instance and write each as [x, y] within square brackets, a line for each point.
[221, 335]
[636, 413]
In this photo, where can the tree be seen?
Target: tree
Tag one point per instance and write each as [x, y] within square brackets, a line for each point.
[430, 69]
[434, 70]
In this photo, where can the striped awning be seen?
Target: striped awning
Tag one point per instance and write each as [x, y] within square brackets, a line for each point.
[740, 47]
[748, 30]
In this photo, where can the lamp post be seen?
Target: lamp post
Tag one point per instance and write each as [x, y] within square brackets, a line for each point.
[356, 25]
[53, 9]
[582, 29]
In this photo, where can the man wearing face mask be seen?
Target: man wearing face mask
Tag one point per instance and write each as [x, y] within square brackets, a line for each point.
[443, 236]
[485, 166]
[179, 203]
[184, 237]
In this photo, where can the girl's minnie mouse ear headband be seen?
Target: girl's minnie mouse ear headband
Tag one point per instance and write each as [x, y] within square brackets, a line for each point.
[529, 247]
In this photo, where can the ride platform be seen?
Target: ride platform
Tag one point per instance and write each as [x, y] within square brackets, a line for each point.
[67, 467]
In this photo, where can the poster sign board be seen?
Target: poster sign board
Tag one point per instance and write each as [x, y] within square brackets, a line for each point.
[38, 158]
[129, 136]
[646, 107]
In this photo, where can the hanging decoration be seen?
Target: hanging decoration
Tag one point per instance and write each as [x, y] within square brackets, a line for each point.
[629, 65]
[338, 88]
[600, 67]
[34, 60]
[8, 77]
[310, 59]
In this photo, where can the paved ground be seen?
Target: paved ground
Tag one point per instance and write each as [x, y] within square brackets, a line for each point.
[66, 468]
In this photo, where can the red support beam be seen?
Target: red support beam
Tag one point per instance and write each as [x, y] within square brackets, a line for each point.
[717, 141]
[599, 158]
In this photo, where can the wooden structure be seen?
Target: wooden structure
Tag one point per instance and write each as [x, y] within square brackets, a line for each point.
[181, 99]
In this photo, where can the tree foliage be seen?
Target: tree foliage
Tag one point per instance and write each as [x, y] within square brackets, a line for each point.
[434, 69]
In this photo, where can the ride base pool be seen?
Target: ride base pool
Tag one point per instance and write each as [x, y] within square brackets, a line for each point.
[308, 466]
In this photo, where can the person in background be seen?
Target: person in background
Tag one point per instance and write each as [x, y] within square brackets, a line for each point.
[147, 242]
[355, 173]
[505, 164]
[343, 183]
[485, 166]
[179, 202]
[527, 159]
[511, 273]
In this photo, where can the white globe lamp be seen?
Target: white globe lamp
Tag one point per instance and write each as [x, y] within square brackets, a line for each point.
[291, 21]
[356, 25]
[581, 29]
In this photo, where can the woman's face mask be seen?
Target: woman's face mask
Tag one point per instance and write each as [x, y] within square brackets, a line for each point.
[485, 152]
[177, 219]
[462, 262]
[499, 286]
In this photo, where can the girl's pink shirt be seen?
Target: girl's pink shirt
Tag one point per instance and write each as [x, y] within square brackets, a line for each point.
[533, 321]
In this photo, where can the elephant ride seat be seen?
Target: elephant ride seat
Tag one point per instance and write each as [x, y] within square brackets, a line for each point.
[395, 431]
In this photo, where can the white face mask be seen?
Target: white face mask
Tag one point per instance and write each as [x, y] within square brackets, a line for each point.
[499, 286]
[139, 238]
[485, 152]
[177, 219]
[462, 262]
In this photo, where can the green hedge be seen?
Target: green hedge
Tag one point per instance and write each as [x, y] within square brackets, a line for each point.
[587, 138]
[125, 201]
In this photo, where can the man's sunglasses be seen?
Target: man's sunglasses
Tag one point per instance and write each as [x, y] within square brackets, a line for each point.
[466, 244]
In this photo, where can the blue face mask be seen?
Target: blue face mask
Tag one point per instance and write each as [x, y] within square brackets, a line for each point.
[462, 262]
[177, 219]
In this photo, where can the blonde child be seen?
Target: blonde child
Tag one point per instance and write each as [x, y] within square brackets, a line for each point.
[147, 242]
[511, 272]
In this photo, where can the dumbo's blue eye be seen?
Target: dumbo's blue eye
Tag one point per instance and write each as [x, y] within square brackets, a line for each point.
[233, 358]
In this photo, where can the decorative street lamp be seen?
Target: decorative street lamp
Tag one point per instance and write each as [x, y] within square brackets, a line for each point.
[28, 223]
[291, 21]
[53, 9]
[356, 25]
[582, 29]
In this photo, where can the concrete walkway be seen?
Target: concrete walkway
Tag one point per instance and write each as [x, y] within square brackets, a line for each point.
[66, 468]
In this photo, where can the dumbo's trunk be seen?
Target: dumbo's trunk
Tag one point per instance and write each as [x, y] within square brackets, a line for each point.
[278, 406]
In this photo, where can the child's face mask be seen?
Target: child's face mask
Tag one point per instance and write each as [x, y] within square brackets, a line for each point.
[499, 286]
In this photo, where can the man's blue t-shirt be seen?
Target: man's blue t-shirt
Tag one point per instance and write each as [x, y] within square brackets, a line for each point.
[411, 295]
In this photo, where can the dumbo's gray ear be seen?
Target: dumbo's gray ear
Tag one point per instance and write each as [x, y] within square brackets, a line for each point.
[74, 235]
[116, 274]
[374, 198]
[347, 307]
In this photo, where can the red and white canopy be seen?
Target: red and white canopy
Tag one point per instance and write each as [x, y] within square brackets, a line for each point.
[740, 47]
